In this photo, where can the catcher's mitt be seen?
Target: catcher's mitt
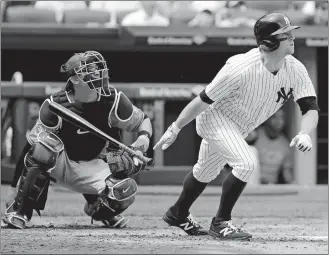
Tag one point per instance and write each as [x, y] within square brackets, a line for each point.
[121, 164]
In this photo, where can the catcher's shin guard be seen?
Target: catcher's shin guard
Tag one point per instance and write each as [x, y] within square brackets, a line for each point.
[32, 194]
[34, 181]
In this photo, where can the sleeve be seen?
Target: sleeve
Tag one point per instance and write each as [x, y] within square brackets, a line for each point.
[124, 114]
[307, 103]
[47, 121]
[303, 84]
[224, 83]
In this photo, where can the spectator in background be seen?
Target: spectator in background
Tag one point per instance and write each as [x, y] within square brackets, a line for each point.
[205, 18]
[117, 9]
[321, 13]
[6, 4]
[275, 155]
[147, 15]
[182, 12]
[60, 6]
[212, 6]
[33, 115]
[205, 13]
[237, 14]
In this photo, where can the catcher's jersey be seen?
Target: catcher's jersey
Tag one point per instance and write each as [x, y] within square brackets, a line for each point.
[109, 114]
[246, 93]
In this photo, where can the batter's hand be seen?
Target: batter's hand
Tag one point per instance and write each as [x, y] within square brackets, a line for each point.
[168, 137]
[302, 141]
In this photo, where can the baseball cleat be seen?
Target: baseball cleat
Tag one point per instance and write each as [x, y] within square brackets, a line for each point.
[188, 224]
[118, 221]
[225, 230]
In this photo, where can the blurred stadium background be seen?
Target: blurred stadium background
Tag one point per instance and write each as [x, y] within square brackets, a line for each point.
[157, 59]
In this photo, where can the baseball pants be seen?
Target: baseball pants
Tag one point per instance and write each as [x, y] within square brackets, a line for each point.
[223, 143]
[87, 177]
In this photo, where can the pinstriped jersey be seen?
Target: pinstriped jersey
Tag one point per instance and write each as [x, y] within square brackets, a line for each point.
[246, 93]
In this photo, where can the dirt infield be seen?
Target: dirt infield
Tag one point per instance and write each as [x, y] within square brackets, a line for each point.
[292, 223]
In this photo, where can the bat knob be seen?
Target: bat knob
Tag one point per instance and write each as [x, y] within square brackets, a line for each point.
[150, 163]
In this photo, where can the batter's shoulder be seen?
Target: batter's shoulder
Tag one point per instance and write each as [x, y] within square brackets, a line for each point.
[244, 61]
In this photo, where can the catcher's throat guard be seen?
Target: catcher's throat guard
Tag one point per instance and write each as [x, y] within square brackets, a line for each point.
[120, 190]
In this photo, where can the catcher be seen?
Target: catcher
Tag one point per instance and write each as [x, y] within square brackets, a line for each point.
[76, 159]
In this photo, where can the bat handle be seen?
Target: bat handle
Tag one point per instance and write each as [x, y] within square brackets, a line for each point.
[132, 152]
[146, 160]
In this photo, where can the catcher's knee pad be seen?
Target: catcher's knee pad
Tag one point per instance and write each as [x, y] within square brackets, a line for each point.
[120, 189]
[35, 178]
[115, 199]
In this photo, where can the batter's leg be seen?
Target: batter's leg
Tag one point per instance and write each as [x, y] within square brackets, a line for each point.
[179, 215]
[233, 148]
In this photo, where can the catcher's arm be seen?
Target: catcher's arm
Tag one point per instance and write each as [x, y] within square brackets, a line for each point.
[142, 142]
[126, 116]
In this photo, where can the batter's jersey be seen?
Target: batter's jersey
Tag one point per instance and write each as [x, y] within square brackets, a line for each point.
[273, 154]
[246, 93]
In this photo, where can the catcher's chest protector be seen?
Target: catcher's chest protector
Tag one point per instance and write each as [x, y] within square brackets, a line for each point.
[81, 144]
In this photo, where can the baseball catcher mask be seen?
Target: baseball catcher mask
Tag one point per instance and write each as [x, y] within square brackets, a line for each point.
[91, 68]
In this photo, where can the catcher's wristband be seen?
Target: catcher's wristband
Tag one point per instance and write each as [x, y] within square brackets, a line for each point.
[145, 133]
[175, 129]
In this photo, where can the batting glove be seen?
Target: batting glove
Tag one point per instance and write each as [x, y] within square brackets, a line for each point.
[141, 145]
[302, 141]
[168, 137]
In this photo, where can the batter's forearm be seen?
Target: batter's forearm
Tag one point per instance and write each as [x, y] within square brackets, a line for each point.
[190, 112]
[309, 121]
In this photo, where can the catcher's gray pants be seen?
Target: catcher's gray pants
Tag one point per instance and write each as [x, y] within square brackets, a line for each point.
[87, 177]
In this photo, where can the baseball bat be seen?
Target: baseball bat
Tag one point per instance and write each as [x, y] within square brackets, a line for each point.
[80, 122]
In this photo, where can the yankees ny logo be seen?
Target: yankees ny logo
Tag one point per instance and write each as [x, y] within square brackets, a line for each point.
[287, 21]
[282, 94]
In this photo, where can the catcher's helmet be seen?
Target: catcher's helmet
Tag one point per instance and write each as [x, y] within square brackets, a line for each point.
[90, 67]
[270, 25]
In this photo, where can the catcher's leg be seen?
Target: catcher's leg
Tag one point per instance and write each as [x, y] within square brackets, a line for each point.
[34, 181]
[114, 220]
[115, 199]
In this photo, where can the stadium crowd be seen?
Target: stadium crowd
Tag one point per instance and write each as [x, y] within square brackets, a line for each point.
[162, 13]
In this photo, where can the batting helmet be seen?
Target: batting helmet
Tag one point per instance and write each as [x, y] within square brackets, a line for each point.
[270, 25]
